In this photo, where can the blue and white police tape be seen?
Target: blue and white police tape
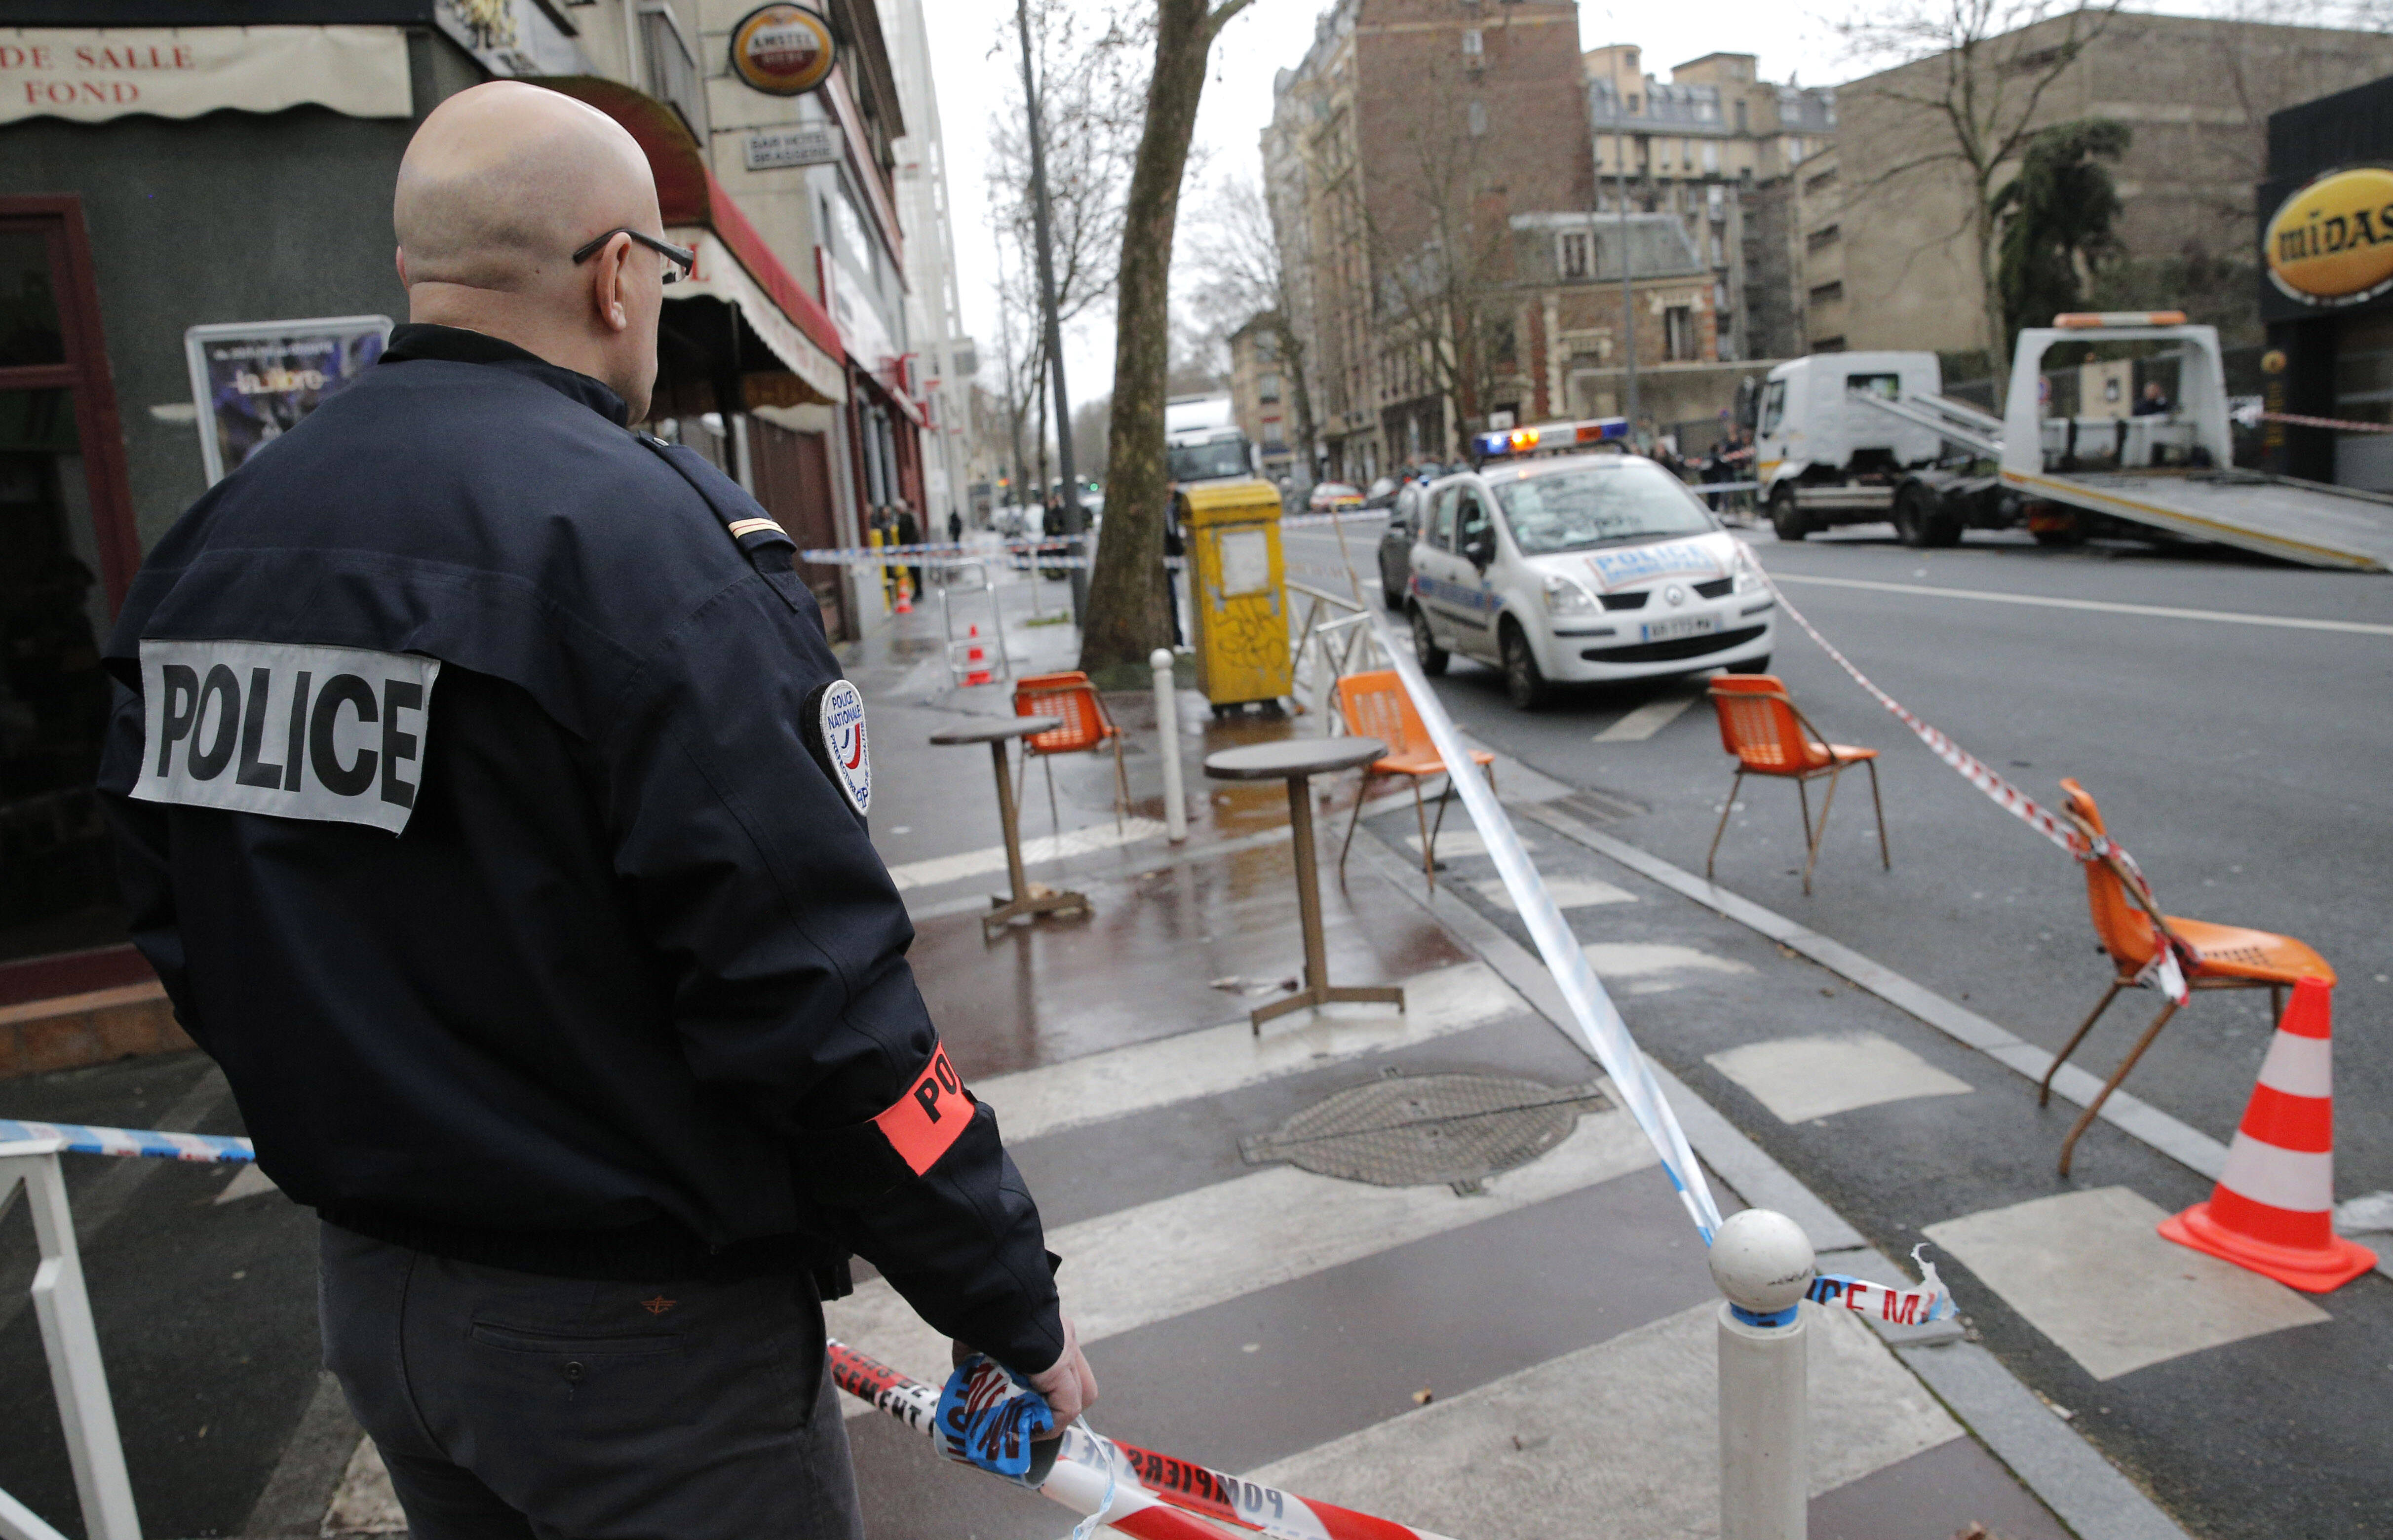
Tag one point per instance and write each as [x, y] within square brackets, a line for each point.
[1594, 1020]
[989, 1416]
[84, 1139]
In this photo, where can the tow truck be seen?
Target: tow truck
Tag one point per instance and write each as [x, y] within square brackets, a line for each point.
[1863, 438]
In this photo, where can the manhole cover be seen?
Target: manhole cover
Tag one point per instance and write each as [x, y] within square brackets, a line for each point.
[1417, 1130]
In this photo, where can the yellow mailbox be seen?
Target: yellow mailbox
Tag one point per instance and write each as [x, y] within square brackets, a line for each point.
[1237, 591]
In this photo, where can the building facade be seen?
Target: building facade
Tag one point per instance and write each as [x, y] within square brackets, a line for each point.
[195, 232]
[1259, 398]
[1718, 149]
[1889, 239]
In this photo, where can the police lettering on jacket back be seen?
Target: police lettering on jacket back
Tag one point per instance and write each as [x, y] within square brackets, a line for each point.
[333, 733]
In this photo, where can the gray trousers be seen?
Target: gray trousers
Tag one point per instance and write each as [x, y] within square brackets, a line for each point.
[511, 1405]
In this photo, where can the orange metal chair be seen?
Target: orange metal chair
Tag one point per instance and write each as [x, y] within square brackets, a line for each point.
[1085, 729]
[1375, 705]
[1761, 724]
[2129, 923]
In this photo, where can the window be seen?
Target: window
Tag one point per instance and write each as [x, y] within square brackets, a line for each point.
[1828, 293]
[1822, 238]
[1795, 150]
[1686, 154]
[1719, 252]
[1885, 387]
[1711, 156]
[1441, 518]
[673, 73]
[1478, 117]
[1814, 186]
[1574, 254]
[1773, 406]
[1471, 45]
[1678, 334]
[1740, 116]
[1827, 345]
[1573, 508]
[67, 547]
[1267, 388]
[1470, 523]
[1633, 97]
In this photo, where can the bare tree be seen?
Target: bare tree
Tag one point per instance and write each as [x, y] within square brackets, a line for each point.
[1968, 98]
[1237, 274]
[1128, 612]
[1441, 250]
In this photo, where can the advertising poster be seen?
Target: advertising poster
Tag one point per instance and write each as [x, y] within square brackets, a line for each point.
[253, 381]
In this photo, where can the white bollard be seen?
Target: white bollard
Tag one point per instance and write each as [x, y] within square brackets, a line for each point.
[1167, 733]
[1763, 1262]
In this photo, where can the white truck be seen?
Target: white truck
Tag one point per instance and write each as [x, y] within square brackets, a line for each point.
[1202, 441]
[1867, 437]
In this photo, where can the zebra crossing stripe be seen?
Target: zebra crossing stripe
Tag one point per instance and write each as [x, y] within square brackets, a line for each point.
[1216, 1059]
[1247, 1233]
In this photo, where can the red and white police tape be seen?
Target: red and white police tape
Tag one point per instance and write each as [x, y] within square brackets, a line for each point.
[2166, 970]
[1151, 1491]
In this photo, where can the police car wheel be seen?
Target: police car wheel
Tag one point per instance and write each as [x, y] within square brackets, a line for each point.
[1524, 681]
[1425, 648]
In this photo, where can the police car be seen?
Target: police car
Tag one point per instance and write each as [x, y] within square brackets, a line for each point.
[1559, 560]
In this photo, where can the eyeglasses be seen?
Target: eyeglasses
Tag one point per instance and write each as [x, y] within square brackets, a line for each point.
[683, 260]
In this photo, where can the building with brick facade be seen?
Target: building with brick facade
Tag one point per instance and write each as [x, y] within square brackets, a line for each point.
[1399, 151]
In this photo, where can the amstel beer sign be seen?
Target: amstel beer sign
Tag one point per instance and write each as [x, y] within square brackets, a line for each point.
[782, 50]
[2332, 242]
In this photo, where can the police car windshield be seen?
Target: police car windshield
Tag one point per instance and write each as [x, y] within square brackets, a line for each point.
[1566, 510]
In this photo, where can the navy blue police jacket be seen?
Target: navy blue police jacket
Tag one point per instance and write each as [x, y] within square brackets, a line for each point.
[473, 807]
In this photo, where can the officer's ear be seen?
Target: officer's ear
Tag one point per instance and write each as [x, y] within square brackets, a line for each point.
[608, 284]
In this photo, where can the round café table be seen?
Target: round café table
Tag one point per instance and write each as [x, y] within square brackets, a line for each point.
[997, 732]
[1296, 760]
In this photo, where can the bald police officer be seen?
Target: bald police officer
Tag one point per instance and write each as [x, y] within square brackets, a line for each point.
[492, 808]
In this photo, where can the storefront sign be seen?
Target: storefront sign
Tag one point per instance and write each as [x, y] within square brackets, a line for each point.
[814, 144]
[92, 75]
[253, 381]
[782, 50]
[2332, 242]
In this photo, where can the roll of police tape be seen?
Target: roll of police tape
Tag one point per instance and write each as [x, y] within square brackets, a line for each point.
[1141, 1479]
[86, 1139]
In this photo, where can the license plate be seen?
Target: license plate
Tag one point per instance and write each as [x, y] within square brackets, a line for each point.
[1686, 626]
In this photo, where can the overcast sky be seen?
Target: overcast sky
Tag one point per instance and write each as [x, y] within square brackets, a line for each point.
[971, 70]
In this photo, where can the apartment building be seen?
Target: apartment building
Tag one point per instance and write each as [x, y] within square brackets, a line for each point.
[1398, 149]
[1888, 259]
[1721, 151]
[1259, 398]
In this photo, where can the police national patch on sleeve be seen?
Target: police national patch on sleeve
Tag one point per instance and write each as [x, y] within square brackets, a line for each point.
[333, 733]
[834, 729]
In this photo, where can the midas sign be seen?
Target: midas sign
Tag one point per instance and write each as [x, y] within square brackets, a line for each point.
[2332, 242]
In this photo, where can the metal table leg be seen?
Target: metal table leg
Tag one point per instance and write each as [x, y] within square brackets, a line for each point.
[1317, 988]
[1020, 900]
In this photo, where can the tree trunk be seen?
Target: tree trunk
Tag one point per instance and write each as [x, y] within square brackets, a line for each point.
[1129, 612]
[1999, 334]
[1293, 360]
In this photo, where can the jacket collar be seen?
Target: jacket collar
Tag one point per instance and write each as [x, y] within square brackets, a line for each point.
[456, 344]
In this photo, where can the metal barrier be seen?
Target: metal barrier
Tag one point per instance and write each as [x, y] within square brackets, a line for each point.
[1327, 648]
[72, 1344]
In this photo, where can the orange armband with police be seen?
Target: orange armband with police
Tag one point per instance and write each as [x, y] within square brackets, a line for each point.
[901, 1143]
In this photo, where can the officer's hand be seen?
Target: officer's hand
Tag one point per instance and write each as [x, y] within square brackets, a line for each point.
[1070, 1385]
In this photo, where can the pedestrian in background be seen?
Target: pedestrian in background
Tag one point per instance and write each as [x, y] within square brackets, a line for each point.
[551, 963]
[909, 532]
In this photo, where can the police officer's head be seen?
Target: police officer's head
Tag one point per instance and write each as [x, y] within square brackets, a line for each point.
[501, 187]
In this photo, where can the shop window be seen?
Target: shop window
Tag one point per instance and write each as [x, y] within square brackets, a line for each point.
[67, 550]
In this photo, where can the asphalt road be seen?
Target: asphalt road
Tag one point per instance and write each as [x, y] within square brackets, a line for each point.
[2244, 765]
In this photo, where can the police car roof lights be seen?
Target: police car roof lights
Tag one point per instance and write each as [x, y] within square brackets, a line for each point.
[1548, 438]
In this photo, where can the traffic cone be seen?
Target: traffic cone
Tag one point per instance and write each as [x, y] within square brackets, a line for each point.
[905, 594]
[2273, 1210]
[975, 662]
